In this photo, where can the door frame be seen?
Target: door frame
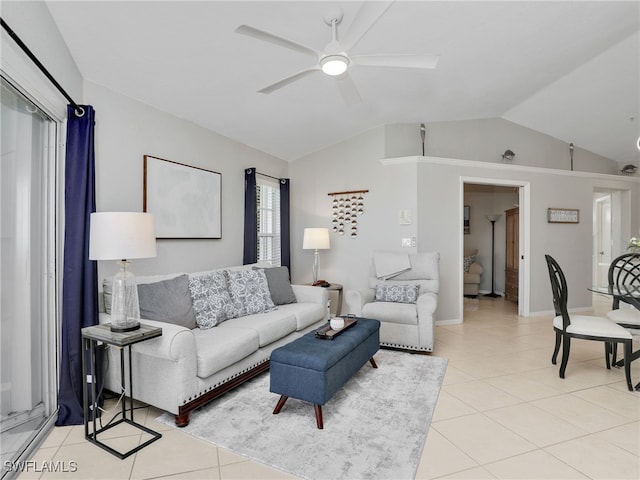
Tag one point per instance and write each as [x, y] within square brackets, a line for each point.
[524, 200]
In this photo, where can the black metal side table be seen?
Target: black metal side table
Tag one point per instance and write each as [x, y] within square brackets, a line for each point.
[91, 336]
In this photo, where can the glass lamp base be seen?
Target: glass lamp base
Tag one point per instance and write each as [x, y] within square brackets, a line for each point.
[125, 327]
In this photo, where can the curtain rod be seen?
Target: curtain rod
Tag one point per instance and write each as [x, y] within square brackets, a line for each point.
[78, 110]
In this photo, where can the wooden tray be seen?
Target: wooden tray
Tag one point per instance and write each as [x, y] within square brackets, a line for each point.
[327, 333]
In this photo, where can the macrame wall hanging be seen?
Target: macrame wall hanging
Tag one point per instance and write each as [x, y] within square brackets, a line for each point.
[346, 207]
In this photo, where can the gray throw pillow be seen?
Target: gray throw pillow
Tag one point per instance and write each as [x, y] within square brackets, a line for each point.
[167, 301]
[279, 285]
[389, 292]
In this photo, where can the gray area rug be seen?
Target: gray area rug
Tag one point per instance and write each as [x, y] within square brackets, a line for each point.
[375, 427]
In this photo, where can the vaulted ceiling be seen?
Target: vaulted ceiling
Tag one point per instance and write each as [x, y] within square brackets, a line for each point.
[567, 69]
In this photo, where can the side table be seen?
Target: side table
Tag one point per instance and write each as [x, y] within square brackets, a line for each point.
[335, 287]
[91, 336]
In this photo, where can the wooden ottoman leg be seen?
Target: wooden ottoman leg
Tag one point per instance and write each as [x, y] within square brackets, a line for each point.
[283, 399]
[318, 409]
[373, 363]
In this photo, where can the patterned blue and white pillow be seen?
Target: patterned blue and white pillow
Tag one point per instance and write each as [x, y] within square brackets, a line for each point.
[468, 260]
[388, 292]
[211, 301]
[249, 291]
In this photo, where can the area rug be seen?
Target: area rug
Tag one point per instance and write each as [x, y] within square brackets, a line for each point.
[375, 427]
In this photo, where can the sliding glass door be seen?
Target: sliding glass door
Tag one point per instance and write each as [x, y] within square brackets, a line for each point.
[27, 280]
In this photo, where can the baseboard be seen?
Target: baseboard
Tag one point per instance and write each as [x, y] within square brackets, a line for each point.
[453, 321]
[545, 313]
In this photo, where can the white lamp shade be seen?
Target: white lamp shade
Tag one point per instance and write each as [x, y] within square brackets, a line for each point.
[494, 217]
[122, 236]
[316, 239]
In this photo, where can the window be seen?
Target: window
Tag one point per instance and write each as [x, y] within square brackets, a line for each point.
[268, 199]
[27, 272]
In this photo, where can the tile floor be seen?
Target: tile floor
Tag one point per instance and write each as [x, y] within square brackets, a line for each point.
[502, 413]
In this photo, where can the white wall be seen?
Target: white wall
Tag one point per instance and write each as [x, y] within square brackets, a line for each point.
[485, 140]
[482, 202]
[126, 130]
[570, 244]
[432, 190]
[33, 23]
[350, 165]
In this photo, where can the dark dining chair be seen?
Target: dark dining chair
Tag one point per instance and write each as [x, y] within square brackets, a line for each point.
[583, 327]
[624, 274]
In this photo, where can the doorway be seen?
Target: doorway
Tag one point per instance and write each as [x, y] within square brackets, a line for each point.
[485, 199]
[602, 238]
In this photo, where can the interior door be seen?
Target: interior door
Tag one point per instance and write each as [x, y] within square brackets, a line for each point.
[603, 244]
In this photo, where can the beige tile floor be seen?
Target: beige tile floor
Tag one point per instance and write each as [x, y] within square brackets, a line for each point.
[502, 413]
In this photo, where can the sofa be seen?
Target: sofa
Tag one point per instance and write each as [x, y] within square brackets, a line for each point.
[471, 273]
[405, 303]
[218, 330]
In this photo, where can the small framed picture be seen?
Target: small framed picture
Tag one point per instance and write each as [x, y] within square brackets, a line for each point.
[563, 215]
[466, 219]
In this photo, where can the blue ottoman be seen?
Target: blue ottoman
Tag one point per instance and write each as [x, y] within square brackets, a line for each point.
[313, 369]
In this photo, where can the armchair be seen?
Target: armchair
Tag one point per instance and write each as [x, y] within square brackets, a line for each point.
[471, 274]
[402, 325]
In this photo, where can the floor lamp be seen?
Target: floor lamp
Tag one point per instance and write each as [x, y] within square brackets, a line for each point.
[493, 219]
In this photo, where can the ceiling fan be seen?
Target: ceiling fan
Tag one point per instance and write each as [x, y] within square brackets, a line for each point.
[334, 59]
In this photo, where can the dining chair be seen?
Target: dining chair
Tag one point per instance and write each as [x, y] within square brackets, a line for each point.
[624, 272]
[581, 326]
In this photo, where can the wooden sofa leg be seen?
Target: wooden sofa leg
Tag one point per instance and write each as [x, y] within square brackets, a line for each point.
[182, 420]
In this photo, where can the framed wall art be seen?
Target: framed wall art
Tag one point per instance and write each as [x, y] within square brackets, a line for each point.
[563, 215]
[185, 200]
[467, 219]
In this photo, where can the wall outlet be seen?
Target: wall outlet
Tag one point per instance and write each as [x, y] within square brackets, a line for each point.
[406, 242]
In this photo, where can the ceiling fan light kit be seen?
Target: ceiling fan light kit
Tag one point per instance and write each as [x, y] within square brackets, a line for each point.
[335, 60]
[334, 64]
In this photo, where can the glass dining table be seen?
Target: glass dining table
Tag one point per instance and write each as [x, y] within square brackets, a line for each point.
[628, 294]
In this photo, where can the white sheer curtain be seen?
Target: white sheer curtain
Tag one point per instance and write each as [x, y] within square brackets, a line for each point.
[26, 355]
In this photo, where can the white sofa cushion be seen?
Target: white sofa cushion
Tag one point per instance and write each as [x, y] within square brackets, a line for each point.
[305, 314]
[402, 313]
[596, 326]
[269, 326]
[219, 347]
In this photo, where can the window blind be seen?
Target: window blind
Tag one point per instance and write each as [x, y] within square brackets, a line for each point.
[268, 211]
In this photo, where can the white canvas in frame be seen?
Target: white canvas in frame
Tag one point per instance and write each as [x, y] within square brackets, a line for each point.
[184, 200]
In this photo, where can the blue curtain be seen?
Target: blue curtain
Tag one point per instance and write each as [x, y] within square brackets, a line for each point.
[285, 237]
[80, 275]
[250, 253]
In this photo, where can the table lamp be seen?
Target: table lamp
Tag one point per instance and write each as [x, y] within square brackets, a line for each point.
[315, 239]
[123, 236]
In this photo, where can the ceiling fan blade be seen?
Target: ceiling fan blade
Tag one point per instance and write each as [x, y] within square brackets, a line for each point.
[426, 60]
[369, 13]
[277, 40]
[286, 81]
[348, 90]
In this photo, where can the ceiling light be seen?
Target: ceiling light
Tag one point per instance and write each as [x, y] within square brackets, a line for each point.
[334, 64]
